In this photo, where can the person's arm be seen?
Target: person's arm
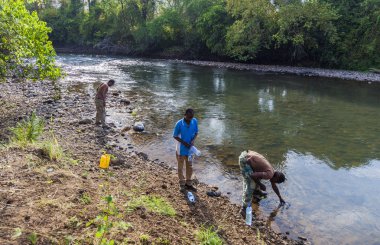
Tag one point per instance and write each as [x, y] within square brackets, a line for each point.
[177, 132]
[277, 191]
[193, 140]
[104, 93]
[182, 141]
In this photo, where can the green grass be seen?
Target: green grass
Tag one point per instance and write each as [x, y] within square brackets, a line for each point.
[207, 236]
[27, 131]
[152, 204]
[52, 149]
[85, 198]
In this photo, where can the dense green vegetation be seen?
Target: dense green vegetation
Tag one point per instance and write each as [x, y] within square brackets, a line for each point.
[25, 50]
[325, 33]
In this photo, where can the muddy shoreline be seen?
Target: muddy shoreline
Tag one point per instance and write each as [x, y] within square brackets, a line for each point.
[367, 77]
[44, 197]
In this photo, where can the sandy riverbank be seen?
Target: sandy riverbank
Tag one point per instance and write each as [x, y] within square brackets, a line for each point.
[59, 201]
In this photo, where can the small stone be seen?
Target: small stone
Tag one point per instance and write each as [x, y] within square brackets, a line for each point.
[302, 238]
[125, 101]
[138, 127]
[85, 121]
[50, 101]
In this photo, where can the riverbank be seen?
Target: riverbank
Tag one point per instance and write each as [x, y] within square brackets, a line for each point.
[368, 77]
[66, 199]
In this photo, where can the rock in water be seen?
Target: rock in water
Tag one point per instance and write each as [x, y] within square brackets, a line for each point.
[138, 127]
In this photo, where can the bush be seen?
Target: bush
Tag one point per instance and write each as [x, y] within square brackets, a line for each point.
[27, 131]
[206, 236]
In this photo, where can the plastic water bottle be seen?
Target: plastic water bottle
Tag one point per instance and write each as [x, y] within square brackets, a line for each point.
[190, 197]
[248, 215]
[195, 151]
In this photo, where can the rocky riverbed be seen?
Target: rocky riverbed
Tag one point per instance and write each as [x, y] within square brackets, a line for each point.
[60, 201]
[301, 71]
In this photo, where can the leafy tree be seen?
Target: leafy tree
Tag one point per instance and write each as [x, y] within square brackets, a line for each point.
[212, 26]
[25, 50]
[359, 31]
[252, 29]
[307, 30]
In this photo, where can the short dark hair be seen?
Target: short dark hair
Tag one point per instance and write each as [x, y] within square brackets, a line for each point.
[189, 111]
[280, 176]
[111, 82]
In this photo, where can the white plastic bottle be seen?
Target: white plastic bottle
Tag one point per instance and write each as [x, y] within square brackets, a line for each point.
[190, 197]
[248, 215]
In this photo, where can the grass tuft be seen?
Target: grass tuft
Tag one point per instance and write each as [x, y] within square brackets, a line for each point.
[207, 236]
[27, 131]
[52, 149]
[153, 204]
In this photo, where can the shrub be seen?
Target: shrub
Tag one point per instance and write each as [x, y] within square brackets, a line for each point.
[28, 130]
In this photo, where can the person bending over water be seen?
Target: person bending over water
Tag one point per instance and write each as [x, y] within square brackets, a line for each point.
[255, 167]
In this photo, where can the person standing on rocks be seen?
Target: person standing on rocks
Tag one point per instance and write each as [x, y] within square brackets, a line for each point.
[185, 132]
[100, 102]
[255, 167]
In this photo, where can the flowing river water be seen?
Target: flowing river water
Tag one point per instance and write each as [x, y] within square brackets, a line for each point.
[324, 134]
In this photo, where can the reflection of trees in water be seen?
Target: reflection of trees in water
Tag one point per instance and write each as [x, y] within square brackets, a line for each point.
[271, 114]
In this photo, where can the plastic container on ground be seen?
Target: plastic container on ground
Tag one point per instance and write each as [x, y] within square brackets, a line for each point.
[190, 197]
[248, 215]
[105, 161]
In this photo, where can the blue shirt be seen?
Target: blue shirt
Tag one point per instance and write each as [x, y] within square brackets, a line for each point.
[186, 132]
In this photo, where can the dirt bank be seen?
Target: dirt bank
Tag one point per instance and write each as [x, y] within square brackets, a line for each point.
[64, 201]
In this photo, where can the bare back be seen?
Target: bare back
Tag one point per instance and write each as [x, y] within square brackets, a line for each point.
[261, 167]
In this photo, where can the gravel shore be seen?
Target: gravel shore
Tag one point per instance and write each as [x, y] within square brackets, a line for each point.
[301, 71]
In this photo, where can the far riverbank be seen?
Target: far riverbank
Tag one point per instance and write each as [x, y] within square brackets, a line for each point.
[276, 69]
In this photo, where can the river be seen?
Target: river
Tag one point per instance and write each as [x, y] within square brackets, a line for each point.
[324, 134]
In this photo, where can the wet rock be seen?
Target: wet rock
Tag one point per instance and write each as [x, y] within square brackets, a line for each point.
[125, 101]
[115, 93]
[138, 127]
[85, 121]
[49, 101]
[302, 238]
[142, 155]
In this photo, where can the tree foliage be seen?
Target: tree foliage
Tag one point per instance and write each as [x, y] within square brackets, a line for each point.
[325, 33]
[307, 30]
[25, 50]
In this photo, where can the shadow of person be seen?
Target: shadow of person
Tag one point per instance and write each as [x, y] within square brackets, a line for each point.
[199, 210]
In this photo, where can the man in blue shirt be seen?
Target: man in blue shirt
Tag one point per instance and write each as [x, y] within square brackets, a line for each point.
[185, 132]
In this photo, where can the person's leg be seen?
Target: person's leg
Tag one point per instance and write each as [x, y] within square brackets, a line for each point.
[103, 114]
[180, 170]
[248, 188]
[98, 105]
[189, 171]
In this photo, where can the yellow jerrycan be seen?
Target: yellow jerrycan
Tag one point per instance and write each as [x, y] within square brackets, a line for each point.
[105, 161]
